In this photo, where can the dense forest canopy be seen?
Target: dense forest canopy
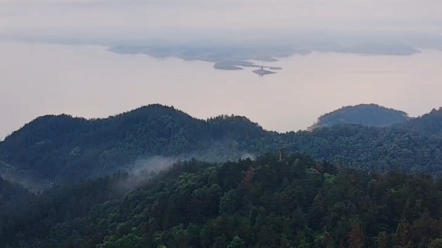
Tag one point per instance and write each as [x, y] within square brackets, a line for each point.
[53, 149]
[63, 147]
[267, 202]
[430, 124]
[132, 180]
[362, 114]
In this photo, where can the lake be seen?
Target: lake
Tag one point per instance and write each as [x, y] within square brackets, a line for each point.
[88, 81]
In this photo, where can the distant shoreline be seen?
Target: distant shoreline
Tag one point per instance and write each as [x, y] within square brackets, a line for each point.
[238, 65]
[234, 58]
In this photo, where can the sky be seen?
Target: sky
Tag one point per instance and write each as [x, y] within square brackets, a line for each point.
[94, 17]
[38, 79]
[89, 81]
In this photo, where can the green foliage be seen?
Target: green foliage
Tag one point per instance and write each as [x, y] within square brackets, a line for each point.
[370, 148]
[430, 124]
[237, 242]
[291, 203]
[62, 148]
[437, 243]
[362, 114]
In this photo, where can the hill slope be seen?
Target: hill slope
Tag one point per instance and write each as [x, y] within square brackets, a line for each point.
[65, 147]
[61, 148]
[430, 123]
[363, 114]
[262, 203]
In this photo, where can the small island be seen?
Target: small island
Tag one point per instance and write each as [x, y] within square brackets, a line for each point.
[239, 65]
[223, 57]
[261, 72]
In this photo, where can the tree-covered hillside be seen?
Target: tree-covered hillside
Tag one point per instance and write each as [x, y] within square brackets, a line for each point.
[63, 147]
[430, 124]
[371, 148]
[362, 114]
[295, 202]
[58, 148]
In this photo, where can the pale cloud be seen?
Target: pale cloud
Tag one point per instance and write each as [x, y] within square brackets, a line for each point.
[116, 15]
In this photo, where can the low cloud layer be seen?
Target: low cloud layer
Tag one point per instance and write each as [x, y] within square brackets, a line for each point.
[142, 171]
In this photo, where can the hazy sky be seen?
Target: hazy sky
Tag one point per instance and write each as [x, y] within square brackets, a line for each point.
[89, 81]
[38, 79]
[146, 17]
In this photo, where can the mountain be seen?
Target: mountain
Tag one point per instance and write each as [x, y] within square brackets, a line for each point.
[362, 114]
[371, 148]
[110, 188]
[295, 202]
[63, 147]
[55, 149]
[430, 124]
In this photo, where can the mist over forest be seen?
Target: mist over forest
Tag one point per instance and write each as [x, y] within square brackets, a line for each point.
[213, 124]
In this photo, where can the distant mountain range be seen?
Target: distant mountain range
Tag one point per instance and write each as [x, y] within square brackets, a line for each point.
[51, 149]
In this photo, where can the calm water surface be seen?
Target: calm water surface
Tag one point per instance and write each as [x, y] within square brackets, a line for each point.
[89, 81]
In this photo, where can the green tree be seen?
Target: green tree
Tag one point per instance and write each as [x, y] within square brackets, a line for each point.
[237, 242]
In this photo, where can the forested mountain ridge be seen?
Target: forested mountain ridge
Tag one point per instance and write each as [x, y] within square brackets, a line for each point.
[298, 201]
[362, 114]
[59, 148]
[294, 202]
[430, 124]
[66, 147]
[371, 148]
